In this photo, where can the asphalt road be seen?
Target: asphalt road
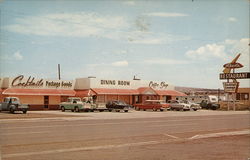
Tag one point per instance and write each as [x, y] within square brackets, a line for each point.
[197, 135]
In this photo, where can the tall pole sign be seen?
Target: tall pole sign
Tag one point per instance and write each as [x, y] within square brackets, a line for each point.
[231, 86]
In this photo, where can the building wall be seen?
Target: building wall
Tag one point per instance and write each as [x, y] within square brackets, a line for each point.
[30, 99]
[243, 96]
[88, 83]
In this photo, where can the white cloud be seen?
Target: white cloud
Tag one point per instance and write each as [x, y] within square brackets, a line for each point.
[129, 3]
[69, 25]
[120, 63]
[240, 46]
[11, 57]
[232, 19]
[208, 51]
[17, 56]
[139, 37]
[225, 51]
[164, 61]
[82, 24]
[165, 14]
[121, 52]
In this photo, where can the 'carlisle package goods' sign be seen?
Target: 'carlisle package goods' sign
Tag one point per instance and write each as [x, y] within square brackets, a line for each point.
[31, 82]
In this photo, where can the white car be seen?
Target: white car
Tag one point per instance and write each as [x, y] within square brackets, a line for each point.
[193, 106]
[178, 105]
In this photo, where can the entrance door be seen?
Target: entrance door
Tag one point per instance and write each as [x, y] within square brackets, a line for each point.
[167, 98]
[46, 102]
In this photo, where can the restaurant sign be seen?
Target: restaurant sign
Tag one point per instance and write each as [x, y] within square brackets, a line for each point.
[160, 85]
[240, 75]
[31, 82]
[115, 82]
[230, 87]
[233, 65]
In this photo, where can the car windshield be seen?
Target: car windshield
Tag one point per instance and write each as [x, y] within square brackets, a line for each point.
[14, 100]
[121, 102]
[77, 99]
[185, 101]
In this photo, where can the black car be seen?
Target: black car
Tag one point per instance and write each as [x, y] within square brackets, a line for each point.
[208, 105]
[117, 106]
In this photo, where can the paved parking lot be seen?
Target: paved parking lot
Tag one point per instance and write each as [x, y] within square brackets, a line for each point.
[135, 135]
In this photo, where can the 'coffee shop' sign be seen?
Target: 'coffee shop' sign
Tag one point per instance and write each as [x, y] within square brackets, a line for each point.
[161, 85]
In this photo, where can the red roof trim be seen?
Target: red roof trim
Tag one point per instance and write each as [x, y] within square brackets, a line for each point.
[115, 91]
[169, 92]
[51, 92]
[84, 93]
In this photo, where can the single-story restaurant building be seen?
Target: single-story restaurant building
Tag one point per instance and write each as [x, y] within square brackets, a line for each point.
[44, 94]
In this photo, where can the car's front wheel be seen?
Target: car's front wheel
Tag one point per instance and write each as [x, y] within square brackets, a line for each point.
[77, 109]
[63, 109]
[12, 110]
[24, 111]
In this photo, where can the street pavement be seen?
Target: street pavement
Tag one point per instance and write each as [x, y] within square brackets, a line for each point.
[126, 136]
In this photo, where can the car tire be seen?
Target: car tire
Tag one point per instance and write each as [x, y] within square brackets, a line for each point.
[24, 111]
[12, 110]
[77, 109]
[72, 110]
[161, 110]
[125, 110]
[63, 109]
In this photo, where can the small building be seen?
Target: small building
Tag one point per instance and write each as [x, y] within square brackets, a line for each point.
[39, 93]
[243, 97]
[130, 91]
[47, 94]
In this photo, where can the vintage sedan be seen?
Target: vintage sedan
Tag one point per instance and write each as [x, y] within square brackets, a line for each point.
[193, 106]
[178, 105]
[117, 106]
[152, 104]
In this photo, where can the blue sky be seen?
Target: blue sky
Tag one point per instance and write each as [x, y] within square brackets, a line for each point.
[183, 42]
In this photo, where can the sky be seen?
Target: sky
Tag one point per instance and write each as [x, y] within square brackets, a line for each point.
[183, 42]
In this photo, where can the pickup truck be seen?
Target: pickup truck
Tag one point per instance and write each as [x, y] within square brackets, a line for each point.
[13, 104]
[74, 104]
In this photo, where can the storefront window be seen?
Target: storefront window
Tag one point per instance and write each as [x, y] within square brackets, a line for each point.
[238, 96]
[244, 96]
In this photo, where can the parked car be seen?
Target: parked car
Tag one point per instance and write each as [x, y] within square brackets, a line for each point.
[75, 104]
[13, 104]
[178, 105]
[209, 105]
[117, 106]
[193, 106]
[152, 104]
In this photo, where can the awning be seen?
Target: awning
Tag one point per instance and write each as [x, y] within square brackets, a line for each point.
[48, 92]
[115, 91]
[169, 93]
[146, 91]
[149, 90]
[84, 93]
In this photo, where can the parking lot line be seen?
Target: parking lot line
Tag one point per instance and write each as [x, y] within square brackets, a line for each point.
[17, 133]
[81, 149]
[220, 134]
[168, 135]
[135, 144]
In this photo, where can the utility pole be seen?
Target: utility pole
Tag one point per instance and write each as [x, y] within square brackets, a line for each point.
[59, 72]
